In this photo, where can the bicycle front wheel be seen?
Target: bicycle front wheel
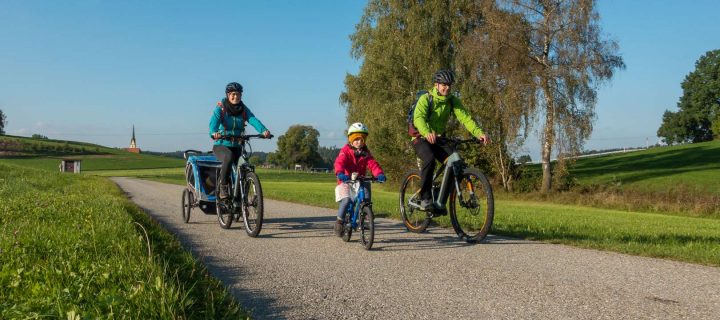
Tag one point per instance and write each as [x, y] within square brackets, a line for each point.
[414, 219]
[367, 227]
[472, 211]
[253, 205]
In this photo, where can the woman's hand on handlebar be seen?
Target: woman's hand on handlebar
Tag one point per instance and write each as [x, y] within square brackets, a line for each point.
[266, 134]
[216, 135]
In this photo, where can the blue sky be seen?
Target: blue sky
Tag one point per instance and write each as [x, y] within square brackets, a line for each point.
[90, 70]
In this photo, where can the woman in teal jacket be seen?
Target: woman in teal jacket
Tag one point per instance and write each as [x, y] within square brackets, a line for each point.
[227, 123]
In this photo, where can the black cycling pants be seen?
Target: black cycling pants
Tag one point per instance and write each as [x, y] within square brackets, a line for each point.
[229, 157]
[428, 153]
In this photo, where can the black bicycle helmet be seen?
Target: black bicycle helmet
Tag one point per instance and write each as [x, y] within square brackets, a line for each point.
[444, 77]
[233, 86]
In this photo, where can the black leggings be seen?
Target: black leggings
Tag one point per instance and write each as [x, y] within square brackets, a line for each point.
[229, 157]
[428, 153]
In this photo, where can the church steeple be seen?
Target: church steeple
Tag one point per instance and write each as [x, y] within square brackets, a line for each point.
[133, 144]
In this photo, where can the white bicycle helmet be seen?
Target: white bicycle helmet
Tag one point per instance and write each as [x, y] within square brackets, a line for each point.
[357, 127]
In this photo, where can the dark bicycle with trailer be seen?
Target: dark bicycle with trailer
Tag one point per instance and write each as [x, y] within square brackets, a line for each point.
[201, 172]
[244, 190]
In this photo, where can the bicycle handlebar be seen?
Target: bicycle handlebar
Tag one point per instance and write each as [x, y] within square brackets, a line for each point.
[363, 178]
[245, 137]
[459, 140]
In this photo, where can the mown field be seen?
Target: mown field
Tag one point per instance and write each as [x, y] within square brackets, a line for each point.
[695, 167]
[73, 246]
[681, 180]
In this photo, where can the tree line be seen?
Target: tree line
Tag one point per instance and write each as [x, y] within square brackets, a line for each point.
[698, 115]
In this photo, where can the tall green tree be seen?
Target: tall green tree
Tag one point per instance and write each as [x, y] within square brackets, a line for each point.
[498, 86]
[328, 155]
[699, 106]
[401, 44]
[2, 122]
[571, 59]
[299, 145]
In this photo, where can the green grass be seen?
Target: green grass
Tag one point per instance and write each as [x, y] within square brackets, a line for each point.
[75, 246]
[696, 166]
[680, 180]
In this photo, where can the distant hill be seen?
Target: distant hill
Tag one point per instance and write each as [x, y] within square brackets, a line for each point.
[47, 153]
[695, 166]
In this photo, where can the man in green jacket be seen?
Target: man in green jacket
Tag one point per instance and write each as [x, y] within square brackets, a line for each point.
[431, 124]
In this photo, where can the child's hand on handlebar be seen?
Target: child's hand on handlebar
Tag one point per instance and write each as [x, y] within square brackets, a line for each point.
[381, 178]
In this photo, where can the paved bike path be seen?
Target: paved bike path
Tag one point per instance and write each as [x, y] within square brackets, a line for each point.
[297, 269]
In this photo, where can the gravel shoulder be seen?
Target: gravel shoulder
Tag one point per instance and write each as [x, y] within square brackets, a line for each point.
[297, 269]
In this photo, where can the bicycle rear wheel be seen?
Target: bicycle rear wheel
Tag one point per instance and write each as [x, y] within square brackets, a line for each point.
[472, 217]
[253, 205]
[367, 227]
[414, 219]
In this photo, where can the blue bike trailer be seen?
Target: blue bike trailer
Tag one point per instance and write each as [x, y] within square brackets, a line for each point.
[201, 174]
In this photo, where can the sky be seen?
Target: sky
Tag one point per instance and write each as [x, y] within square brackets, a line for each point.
[90, 70]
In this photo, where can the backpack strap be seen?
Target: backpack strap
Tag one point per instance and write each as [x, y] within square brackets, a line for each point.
[222, 115]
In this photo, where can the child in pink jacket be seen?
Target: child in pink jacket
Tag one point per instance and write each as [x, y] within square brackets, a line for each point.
[353, 157]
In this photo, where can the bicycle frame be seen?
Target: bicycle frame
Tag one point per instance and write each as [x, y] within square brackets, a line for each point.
[451, 169]
[239, 171]
[358, 203]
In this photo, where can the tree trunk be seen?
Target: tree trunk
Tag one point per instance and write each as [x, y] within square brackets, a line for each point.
[548, 138]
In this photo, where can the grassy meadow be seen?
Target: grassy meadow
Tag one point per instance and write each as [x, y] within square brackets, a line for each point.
[681, 180]
[73, 246]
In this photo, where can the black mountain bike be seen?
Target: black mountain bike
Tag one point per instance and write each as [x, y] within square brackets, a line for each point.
[245, 193]
[471, 206]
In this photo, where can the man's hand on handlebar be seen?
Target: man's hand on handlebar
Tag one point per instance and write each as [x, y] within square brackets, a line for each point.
[431, 137]
[484, 139]
[266, 134]
[216, 135]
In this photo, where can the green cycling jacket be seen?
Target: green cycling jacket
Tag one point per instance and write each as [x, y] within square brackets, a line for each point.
[440, 114]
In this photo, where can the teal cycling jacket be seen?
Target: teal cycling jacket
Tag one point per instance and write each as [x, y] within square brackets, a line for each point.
[233, 125]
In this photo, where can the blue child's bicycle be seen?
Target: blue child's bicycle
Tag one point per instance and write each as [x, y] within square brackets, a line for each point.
[359, 215]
